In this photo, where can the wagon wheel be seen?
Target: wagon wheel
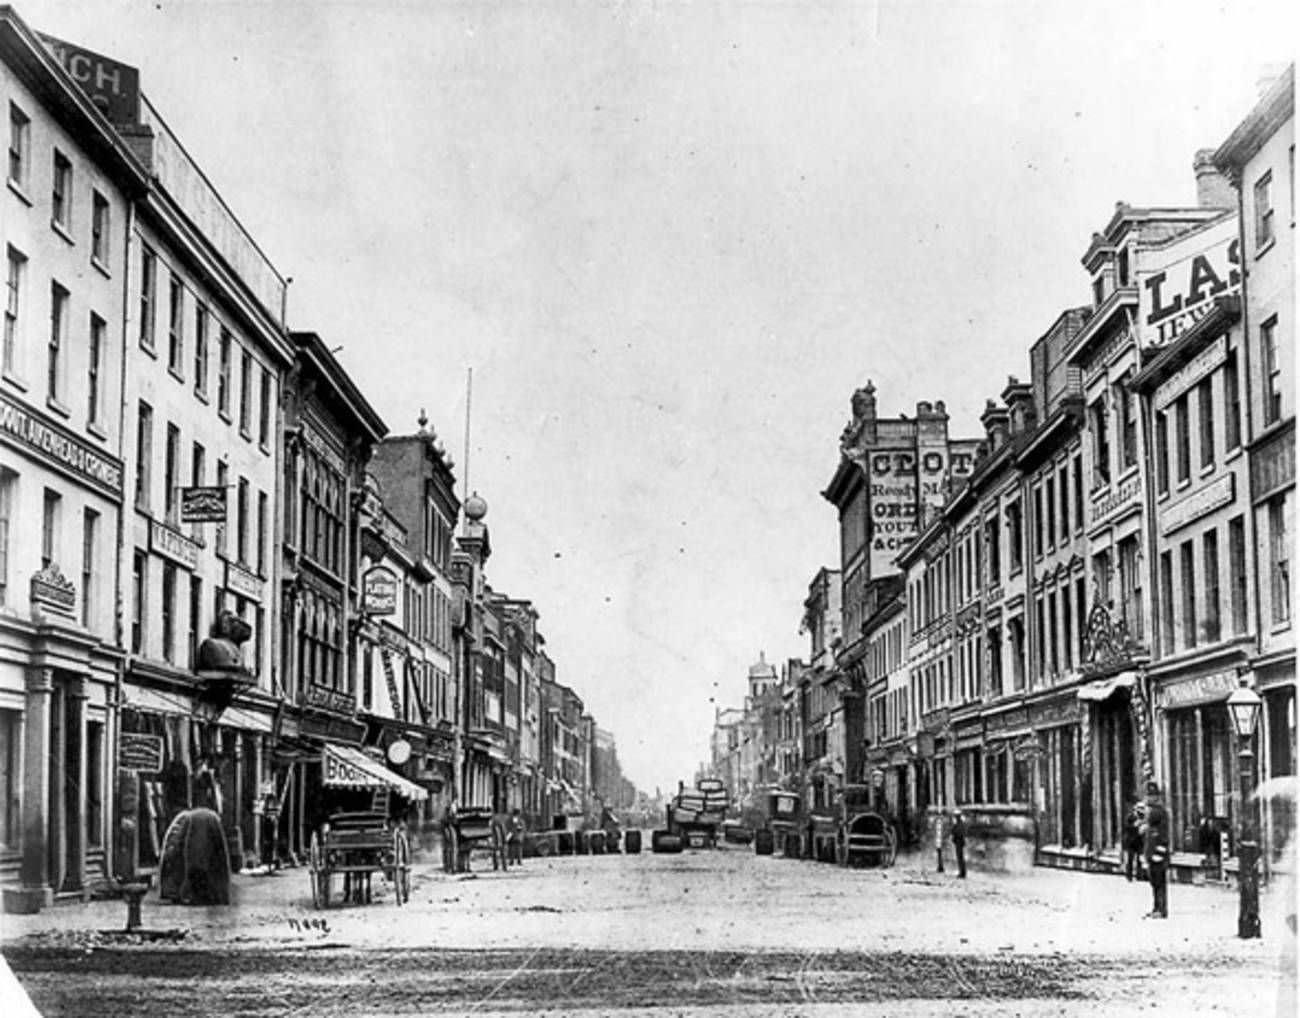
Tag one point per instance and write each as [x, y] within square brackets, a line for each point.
[401, 874]
[320, 874]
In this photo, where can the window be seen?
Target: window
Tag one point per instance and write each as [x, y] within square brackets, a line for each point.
[11, 777]
[8, 485]
[1049, 496]
[264, 412]
[148, 295]
[223, 374]
[58, 325]
[1099, 419]
[1078, 493]
[1264, 211]
[1098, 291]
[176, 326]
[223, 479]
[94, 367]
[1183, 437]
[195, 632]
[262, 510]
[50, 512]
[1121, 268]
[16, 271]
[200, 348]
[95, 783]
[1053, 644]
[1162, 452]
[1067, 628]
[1205, 415]
[1101, 570]
[139, 598]
[1237, 572]
[1015, 536]
[1231, 404]
[89, 542]
[171, 473]
[1187, 576]
[1081, 607]
[1016, 634]
[169, 612]
[1040, 640]
[1167, 601]
[1065, 504]
[245, 392]
[198, 469]
[20, 131]
[1279, 559]
[143, 454]
[100, 225]
[61, 192]
[1211, 628]
[1038, 521]
[1272, 371]
[1128, 424]
[1130, 586]
[241, 523]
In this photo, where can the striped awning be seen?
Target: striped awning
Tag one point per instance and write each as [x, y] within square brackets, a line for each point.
[348, 767]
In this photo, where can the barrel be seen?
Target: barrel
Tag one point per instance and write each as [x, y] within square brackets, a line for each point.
[632, 842]
[665, 841]
[564, 843]
[764, 842]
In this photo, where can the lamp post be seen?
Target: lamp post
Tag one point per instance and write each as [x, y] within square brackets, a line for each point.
[1243, 707]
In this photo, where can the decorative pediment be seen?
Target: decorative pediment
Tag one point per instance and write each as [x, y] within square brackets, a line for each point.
[51, 590]
[1107, 643]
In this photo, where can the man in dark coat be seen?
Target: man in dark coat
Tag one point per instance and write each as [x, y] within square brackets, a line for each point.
[1155, 851]
[1132, 841]
[958, 835]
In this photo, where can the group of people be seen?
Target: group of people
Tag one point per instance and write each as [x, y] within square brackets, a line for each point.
[1146, 848]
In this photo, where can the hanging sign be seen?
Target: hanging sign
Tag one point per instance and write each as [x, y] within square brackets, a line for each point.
[203, 505]
[140, 752]
[379, 591]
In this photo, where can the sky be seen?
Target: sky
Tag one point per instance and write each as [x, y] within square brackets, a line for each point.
[670, 240]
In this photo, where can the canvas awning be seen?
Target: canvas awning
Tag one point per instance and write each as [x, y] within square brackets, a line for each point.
[348, 767]
[1101, 689]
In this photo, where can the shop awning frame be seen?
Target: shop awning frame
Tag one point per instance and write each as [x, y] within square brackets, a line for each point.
[348, 767]
[1101, 689]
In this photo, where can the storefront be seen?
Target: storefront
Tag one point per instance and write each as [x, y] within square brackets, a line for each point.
[1276, 684]
[1109, 757]
[1060, 791]
[1200, 760]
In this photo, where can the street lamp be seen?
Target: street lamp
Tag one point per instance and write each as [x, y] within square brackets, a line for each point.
[1243, 707]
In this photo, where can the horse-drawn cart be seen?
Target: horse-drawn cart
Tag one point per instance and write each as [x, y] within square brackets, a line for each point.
[359, 843]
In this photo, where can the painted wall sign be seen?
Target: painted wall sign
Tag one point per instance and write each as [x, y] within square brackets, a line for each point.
[1180, 282]
[1196, 690]
[1192, 372]
[379, 591]
[1218, 492]
[203, 505]
[181, 178]
[32, 432]
[244, 583]
[1115, 502]
[112, 86]
[137, 751]
[172, 544]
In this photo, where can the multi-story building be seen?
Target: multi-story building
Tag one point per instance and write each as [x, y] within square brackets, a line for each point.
[822, 621]
[65, 218]
[205, 354]
[1259, 159]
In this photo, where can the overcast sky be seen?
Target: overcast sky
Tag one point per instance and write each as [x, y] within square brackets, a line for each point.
[671, 239]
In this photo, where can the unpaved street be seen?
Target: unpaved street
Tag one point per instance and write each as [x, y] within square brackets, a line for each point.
[697, 934]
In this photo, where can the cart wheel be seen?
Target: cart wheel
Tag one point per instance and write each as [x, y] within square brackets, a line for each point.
[320, 876]
[401, 867]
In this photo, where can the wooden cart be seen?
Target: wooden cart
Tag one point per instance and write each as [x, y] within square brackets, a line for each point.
[357, 845]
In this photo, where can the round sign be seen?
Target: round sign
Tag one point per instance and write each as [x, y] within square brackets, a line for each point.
[399, 752]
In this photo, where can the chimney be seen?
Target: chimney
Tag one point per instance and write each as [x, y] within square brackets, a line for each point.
[1019, 398]
[994, 418]
[1213, 191]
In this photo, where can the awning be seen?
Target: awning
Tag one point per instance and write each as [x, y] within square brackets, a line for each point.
[348, 767]
[1101, 689]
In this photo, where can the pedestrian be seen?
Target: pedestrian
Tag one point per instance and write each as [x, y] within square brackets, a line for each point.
[938, 838]
[958, 835]
[515, 839]
[1131, 844]
[1155, 844]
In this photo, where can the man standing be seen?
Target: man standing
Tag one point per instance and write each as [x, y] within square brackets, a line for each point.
[1132, 841]
[938, 838]
[1155, 843]
[958, 835]
[515, 839]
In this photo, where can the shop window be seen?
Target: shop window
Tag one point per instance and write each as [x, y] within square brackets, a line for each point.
[195, 631]
[95, 783]
[11, 745]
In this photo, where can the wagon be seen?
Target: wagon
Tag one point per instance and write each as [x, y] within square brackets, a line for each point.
[469, 828]
[867, 839]
[359, 843]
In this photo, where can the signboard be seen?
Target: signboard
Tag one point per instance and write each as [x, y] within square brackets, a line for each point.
[1192, 372]
[51, 589]
[139, 752]
[172, 544]
[1197, 690]
[203, 505]
[326, 698]
[32, 432]
[1218, 492]
[242, 582]
[1179, 283]
[113, 87]
[379, 591]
